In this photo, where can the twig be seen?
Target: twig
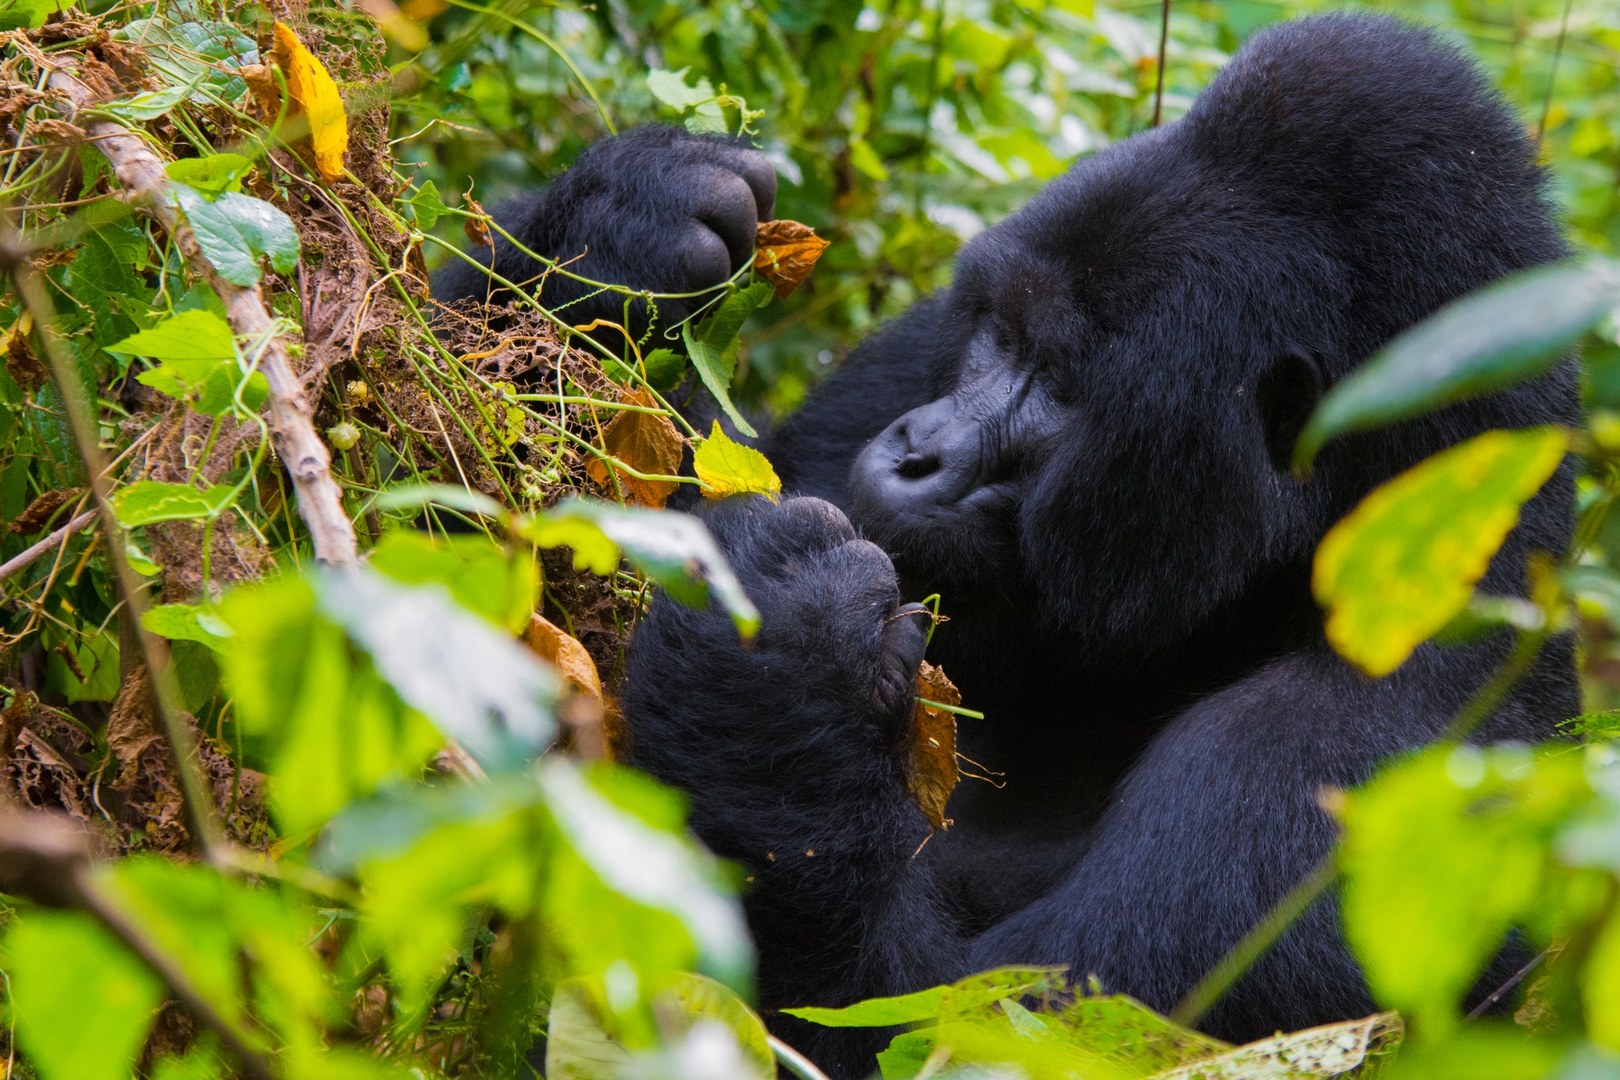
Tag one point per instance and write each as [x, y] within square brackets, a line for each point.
[46, 858]
[1518, 976]
[196, 795]
[795, 1062]
[1213, 986]
[25, 558]
[1164, 40]
[292, 429]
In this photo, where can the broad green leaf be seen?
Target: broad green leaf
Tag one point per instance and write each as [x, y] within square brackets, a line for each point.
[211, 175]
[1443, 853]
[140, 562]
[964, 995]
[235, 230]
[654, 868]
[713, 345]
[1404, 562]
[82, 1002]
[427, 206]
[675, 550]
[313, 710]
[665, 369]
[481, 575]
[1600, 987]
[205, 922]
[729, 468]
[147, 106]
[146, 502]
[26, 14]
[1503, 334]
[579, 1047]
[670, 88]
[187, 337]
[187, 622]
[1483, 1051]
[1124, 1030]
[475, 683]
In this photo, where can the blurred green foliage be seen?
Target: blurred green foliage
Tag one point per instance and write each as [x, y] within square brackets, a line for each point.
[901, 128]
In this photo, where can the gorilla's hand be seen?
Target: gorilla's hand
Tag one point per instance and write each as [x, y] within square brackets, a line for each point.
[655, 208]
[781, 742]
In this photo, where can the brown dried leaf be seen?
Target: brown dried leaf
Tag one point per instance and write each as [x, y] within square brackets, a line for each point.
[38, 514]
[261, 79]
[786, 253]
[474, 225]
[21, 363]
[932, 773]
[584, 711]
[648, 443]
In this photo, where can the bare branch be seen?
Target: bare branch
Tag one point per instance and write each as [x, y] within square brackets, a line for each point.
[25, 558]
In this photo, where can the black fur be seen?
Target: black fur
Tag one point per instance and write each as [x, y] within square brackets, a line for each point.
[1081, 446]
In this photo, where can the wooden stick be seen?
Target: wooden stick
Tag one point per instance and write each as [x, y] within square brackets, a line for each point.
[25, 558]
[292, 428]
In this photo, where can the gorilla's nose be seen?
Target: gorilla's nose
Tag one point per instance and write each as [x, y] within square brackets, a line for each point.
[926, 457]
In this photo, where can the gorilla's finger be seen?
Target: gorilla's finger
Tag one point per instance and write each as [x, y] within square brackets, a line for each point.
[705, 262]
[819, 524]
[725, 203]
[760, 176]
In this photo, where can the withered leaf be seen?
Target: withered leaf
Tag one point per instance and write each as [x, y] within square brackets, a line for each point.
[474, 225]
[38, 514]
[648, 443]
[261, 81]
[931, 739]
[786, 252]
[316, 97]
[584, 712]
[21, 363]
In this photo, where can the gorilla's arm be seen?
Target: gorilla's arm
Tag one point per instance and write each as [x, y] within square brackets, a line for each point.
[655, 208]
[791, 750]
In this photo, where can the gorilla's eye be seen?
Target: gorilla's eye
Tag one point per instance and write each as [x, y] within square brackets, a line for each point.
[1286, 395]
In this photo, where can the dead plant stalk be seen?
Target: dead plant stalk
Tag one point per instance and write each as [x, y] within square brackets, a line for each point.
[292, 429]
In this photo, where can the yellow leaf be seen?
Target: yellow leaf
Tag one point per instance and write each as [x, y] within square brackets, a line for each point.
[730, 468]
[315, 96]
[932, 772]
[786, 252]
[647, 443]
[1405, 561]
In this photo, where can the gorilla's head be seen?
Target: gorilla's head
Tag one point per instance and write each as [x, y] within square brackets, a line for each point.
[1126, 362]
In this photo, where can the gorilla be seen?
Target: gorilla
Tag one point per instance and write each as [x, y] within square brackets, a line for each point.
[1083, 445]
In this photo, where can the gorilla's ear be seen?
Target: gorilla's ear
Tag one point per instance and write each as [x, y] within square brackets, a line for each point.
[1287, 394]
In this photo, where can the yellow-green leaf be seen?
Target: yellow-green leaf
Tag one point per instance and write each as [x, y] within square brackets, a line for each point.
[1405, 561]
[730, 468]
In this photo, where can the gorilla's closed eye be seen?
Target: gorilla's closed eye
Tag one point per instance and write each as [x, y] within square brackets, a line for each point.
[1287, 394]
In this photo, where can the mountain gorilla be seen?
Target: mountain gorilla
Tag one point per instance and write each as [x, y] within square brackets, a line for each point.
[1083, 445]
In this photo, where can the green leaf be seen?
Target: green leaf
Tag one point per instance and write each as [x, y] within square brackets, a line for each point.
[1503, 334]
[187, 622]
[665, 369]
[146, 502]
[82, 1002]
[713, 345]
[1403, 563]
[25, 14]
[140, 562]
[427, 206]
[670, 88]
[475, 683]
[211, 175]
[964, 995]
[189, 337]
[656, 869]
[327, 727]
[675, 550]
[1484, 1051]
[578, 1046]
[455, 498]
[726, 468]
[480, 574]
[147, 106]
[235, 230]
[1443, 853]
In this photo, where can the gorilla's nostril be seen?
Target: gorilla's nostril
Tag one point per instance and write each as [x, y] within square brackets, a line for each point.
[917, 466]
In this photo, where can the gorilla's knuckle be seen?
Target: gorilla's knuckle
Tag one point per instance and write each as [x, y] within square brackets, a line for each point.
[705, 259]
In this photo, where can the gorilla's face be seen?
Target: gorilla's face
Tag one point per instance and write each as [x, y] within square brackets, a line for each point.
[1119, 381]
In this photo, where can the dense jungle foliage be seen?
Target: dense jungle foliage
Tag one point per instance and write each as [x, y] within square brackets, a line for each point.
[292, 788]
